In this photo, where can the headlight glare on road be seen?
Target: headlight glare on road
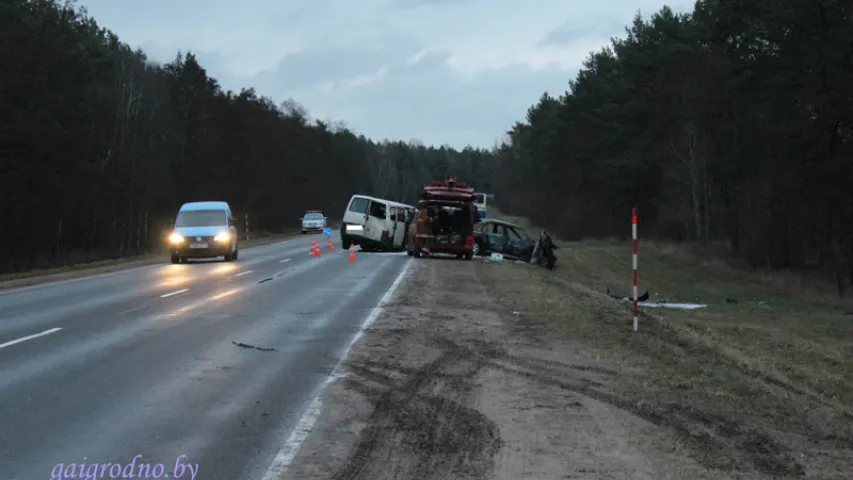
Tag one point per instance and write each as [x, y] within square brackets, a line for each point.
[223, 237]
[176, 238]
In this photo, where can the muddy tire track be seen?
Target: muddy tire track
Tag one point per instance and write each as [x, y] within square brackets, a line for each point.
[441, 435]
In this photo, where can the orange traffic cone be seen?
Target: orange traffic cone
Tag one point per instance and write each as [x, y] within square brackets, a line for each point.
[313, 247]
[351, 254]
[330, 243]
[317, 249]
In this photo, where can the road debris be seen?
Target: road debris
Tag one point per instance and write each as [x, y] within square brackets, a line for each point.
[245, 345]
[643, 301]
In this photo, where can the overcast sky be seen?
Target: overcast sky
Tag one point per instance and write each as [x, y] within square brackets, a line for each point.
[441, 71]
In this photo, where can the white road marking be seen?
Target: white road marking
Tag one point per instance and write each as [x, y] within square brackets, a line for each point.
[133, 309]
[29, 337]
[303, 428]
[285, 260]
[175, 293]
[245, 273]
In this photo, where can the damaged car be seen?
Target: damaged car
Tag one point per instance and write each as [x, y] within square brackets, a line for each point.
[511, 241]
[508, 239]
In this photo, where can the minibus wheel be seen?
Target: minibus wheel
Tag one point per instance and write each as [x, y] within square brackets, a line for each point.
[176, 258]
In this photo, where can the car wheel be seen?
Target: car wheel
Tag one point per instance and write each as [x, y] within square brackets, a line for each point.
[176, 259]
[409, 252]
[469, 256]
[459, 256]
[236, 252]
[228, 257]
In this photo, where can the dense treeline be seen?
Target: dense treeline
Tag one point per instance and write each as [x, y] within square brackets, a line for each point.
[732, 123]
[99, 146]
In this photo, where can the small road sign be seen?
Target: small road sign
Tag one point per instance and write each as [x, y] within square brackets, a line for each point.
[327, 232]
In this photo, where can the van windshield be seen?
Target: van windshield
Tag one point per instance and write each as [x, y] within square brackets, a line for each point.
[201, 218]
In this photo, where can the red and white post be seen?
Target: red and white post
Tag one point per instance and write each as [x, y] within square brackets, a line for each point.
[634, 246]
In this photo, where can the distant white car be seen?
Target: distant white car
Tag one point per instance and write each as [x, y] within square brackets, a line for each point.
[313, 221]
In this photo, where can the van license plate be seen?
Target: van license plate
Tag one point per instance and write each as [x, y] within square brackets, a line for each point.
[198, 245]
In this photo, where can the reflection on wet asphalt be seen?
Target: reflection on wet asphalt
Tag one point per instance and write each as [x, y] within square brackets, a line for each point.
[211, 360]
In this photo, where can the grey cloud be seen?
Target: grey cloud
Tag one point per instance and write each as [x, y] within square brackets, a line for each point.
[572, 31]
[315, 66]
[428, 100]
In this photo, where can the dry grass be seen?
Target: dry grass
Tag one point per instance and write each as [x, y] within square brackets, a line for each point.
[761, 386]
[76, 270]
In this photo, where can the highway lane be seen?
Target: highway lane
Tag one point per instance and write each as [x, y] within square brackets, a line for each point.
[147, 362]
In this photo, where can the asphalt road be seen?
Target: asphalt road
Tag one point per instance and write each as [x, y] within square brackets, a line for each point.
[145, 361]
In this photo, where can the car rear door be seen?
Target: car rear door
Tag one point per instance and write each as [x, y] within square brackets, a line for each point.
[375, 220]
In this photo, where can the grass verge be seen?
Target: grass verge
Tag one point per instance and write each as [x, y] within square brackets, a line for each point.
[33, 277]
[758, 383]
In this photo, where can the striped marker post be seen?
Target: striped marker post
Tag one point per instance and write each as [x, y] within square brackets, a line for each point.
[634, 246]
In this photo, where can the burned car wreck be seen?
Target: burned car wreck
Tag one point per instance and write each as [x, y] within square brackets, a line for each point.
[513, 242]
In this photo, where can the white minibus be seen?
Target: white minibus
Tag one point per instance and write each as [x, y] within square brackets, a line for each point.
[375, 223]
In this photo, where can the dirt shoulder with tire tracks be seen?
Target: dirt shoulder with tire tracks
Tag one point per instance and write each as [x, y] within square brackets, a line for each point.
[449, 384]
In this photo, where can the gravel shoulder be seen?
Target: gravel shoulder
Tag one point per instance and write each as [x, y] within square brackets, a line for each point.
[448, 383]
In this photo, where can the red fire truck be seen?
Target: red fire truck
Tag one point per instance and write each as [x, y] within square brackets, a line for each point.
[444, 221]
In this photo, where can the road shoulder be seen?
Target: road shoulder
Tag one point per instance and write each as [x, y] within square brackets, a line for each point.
[449, 383]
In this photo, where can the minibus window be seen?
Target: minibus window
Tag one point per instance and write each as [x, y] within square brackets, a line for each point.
[359, 205]
[377, 210]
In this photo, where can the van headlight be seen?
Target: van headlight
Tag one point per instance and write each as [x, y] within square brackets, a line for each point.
[175, 238]
[222, 237]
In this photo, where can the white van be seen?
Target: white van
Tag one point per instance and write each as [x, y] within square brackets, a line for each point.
[375, 223]
[204, 230]
[480, 203]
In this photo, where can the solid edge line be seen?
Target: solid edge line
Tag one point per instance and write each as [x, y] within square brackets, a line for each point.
[304, 426]
[29, 337]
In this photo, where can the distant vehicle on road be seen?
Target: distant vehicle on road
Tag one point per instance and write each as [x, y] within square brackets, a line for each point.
[445, 220]
[375, 224]
[313, 221]
[204, 230]
[480, 203]
[509, 239]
